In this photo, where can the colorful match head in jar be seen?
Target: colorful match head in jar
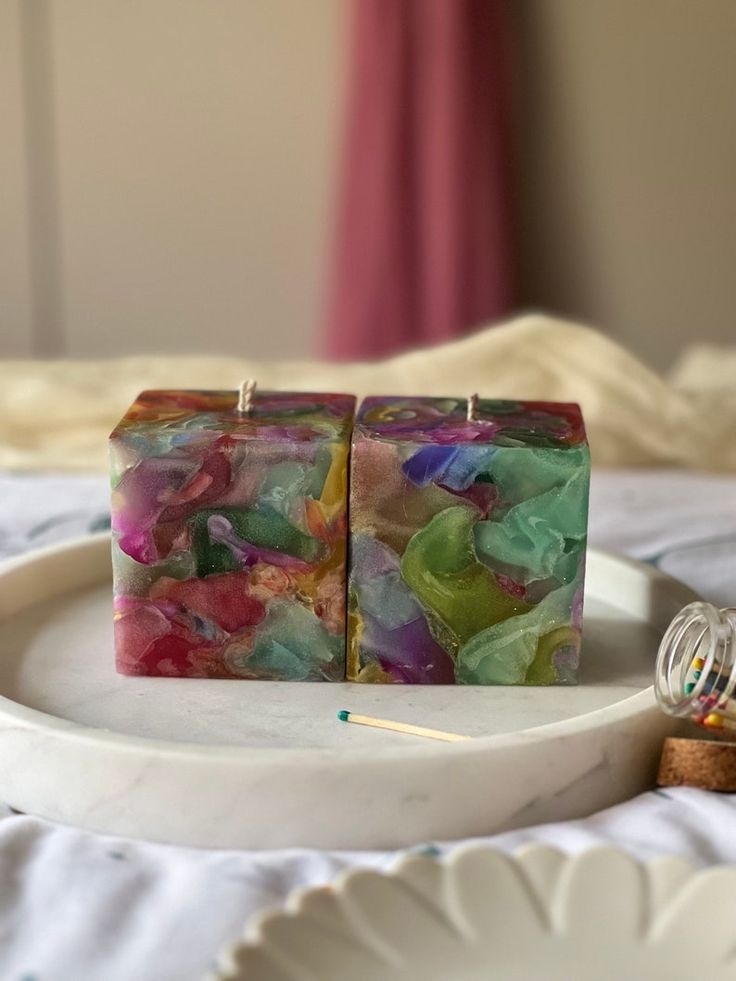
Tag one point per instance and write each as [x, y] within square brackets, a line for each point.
[467, 541]
[229, 519]
[696, 667]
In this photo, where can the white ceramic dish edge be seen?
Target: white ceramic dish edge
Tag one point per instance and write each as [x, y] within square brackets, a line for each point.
[478, 912]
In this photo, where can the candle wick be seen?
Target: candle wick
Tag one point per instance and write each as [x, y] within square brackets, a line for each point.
[472, 407]
[246, 396]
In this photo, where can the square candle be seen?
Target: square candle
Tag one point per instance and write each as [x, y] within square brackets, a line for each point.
[467, 542]
[229, 535]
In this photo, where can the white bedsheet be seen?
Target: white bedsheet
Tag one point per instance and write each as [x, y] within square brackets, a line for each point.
[75, 906]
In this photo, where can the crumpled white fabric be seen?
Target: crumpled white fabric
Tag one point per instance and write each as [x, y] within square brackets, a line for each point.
[81, 907]
[57, 414]
[76, 906]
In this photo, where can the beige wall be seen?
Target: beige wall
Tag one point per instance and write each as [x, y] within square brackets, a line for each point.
[188, 150]
[15, 286]
[166, 171]
[628, 198]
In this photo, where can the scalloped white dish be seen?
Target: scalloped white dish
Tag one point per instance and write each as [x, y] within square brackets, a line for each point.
[237, 764]
[480, 914]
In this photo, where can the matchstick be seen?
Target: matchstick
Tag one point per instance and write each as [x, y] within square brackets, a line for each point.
[368, 720]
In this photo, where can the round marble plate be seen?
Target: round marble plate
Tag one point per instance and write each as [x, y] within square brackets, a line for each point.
[480, 914]
[261, 764]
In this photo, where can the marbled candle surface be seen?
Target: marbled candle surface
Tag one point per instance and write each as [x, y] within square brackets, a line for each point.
[229, 535]
[467, 542]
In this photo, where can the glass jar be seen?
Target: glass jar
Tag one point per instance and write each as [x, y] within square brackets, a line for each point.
[695, 676]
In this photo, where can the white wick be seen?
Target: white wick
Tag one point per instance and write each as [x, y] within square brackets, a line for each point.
[246, 394]
[472, 407]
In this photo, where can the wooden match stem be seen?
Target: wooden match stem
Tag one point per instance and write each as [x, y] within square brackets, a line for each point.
[367, 720]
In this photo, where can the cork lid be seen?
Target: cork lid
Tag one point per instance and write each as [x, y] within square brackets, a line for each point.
[706, 763]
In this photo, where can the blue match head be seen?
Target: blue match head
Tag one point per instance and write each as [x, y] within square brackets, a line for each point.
[343, 715]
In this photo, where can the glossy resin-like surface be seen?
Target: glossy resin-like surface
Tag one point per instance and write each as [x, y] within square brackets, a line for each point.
[229, 535]
[467, 542]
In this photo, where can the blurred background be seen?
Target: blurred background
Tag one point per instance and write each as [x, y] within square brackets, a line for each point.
[276, 178]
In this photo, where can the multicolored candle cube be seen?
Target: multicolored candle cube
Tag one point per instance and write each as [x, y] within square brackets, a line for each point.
[229, 535]
[467, 542]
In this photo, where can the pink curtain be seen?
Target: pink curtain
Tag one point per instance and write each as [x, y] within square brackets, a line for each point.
[422, 247]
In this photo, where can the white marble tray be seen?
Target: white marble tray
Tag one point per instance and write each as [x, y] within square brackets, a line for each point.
[258, 764]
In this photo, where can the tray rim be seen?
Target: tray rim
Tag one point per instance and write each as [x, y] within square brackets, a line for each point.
[13, 712]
